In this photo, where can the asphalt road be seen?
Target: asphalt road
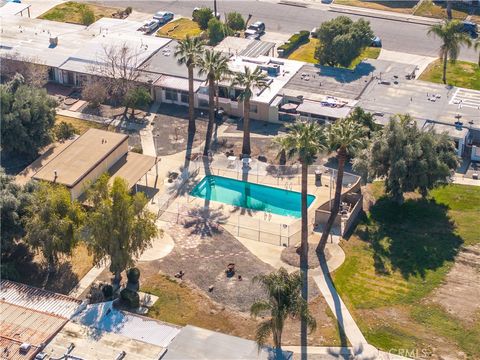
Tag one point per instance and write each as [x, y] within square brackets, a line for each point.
[395, 35]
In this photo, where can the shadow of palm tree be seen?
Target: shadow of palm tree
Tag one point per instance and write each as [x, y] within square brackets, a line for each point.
[204, 221]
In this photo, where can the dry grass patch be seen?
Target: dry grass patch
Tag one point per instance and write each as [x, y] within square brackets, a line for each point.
[71, 12]
[405, 7]
[180, 29]
[81, 126]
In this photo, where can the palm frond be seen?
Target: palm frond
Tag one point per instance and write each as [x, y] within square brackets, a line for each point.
[264, 329]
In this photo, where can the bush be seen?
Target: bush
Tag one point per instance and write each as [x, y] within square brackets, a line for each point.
[133, 275]
[294, 42]
[128, 10]
[107, 291]
[64, 131]
[202, 16]
[217, 31]
[88, 17]
[235, 21]
[95, 92]
[137, 149]
[130, 298]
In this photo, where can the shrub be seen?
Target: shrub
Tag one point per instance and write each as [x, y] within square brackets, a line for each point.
[217, 31]
[133, 275]
[202, 16]
[95, 92]
[64, 131]
[294, 42]
[235, 21]
[107, 291]
[88, 17]
[137, 149]
[130, 298]
[128, 10]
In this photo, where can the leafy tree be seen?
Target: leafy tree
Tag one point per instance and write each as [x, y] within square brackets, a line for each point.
[452, 37]
[138, 97]
[14, 203]
[64, 131]
[202, 16]
[235, 21]
[95, 92]
[28, 116]
[215, 65]
[53, 221]
[303, 140]
[364, 118]
[189, 52]
[217, 31]
[248, 81]
[408, 158]
[342, 40]
[344, 137]
[88, 17]
[119, 225]
[284, 301]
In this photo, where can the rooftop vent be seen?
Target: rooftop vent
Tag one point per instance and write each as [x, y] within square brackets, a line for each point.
[53, 41]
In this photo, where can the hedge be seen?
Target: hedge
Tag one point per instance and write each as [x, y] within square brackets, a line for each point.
[130, 298]
[294, 42]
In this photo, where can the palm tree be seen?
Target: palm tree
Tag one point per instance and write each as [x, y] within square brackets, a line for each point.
[305, 140]
[248, 80]
[284, 301]
[215, 65]
[188, 52]
[477, 48]
[450, 32]
[345, 137]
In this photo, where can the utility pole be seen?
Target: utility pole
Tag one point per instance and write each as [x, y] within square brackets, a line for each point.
[215, 8]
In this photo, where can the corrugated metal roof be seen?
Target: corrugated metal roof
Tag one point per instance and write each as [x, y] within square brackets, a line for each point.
[257, 48]
[37, 299]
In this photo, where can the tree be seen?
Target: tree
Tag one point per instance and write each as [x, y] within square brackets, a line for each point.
[88, 17]
[452, 37]
[217, 31]
[53, 222]
[28, 117]
[303, 140]
[345, 137]
[189, 52]
[95, 92]
[341, 40]
[284, 301]
[202, 16]
[407, 158]
[477, 48]
[235, 21]
[33, 71]
[136, 98]
[119, 225]
[215, 65]
[14, 203]
[364, 118]
[64, 131]
[248, 81]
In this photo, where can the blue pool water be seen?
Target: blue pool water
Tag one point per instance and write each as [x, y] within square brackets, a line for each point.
[250, 196]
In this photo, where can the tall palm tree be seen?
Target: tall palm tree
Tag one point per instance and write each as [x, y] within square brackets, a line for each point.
[477, 48]
[215, 65]
[345, 137]
[304, 140]
[188, 52]
[452, 36]
[284, 301]
[248, 80]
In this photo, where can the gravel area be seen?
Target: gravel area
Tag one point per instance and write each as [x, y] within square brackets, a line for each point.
[291, 257]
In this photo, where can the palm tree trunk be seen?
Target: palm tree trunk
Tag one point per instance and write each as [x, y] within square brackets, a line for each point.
[449, 10]
[304, 231]
[191, 102]
[246, 128]
[445, 60]
[211, 114]
[341, 156]
[216, 95]
[277, 341]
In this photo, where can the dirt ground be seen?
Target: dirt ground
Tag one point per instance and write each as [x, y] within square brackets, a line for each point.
[460, 293]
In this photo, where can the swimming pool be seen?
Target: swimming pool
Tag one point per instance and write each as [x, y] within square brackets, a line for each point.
[250, 195]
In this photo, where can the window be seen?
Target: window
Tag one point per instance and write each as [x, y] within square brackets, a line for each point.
[253, 108]
[171, 94]
[203, 103]
[184, 97]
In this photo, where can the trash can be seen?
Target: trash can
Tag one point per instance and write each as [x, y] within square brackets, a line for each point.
[318, 178]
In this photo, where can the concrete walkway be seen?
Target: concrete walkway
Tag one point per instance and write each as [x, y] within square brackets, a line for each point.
[418, 60]
[88, 279]
[146, 135]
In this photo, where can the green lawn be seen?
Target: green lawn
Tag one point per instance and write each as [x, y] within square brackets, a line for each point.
[398, 255]
[180, 29]
[439, 11]
[71, 12]
[461, 73]
[306, 53]
[81, 126]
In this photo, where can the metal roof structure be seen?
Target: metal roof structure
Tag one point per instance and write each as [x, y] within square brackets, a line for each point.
[38, 300]
[177, 83]
[244, 47]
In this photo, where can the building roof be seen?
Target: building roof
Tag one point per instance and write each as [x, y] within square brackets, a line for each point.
[105, 345]
[37, 299]
[132, 167]
[177, 83]
[165, 62]
[244, 47]
[12, 8]
[455, 132]
[81, 157]
[196, 343]
[324, 109]
[20, 325]
[103, 317]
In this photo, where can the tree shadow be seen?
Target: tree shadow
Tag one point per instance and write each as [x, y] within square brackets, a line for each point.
[204, 221]
[411, 238]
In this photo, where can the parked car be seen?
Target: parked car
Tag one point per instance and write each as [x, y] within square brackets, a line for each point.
[376, 42]
[313, 32]
[163, 16]
[151, 26]
[470, 27]
[255, 30]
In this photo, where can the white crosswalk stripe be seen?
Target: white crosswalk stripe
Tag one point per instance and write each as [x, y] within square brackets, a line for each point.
[467, 98]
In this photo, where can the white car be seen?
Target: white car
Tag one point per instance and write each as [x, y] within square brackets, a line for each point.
[163, 16]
